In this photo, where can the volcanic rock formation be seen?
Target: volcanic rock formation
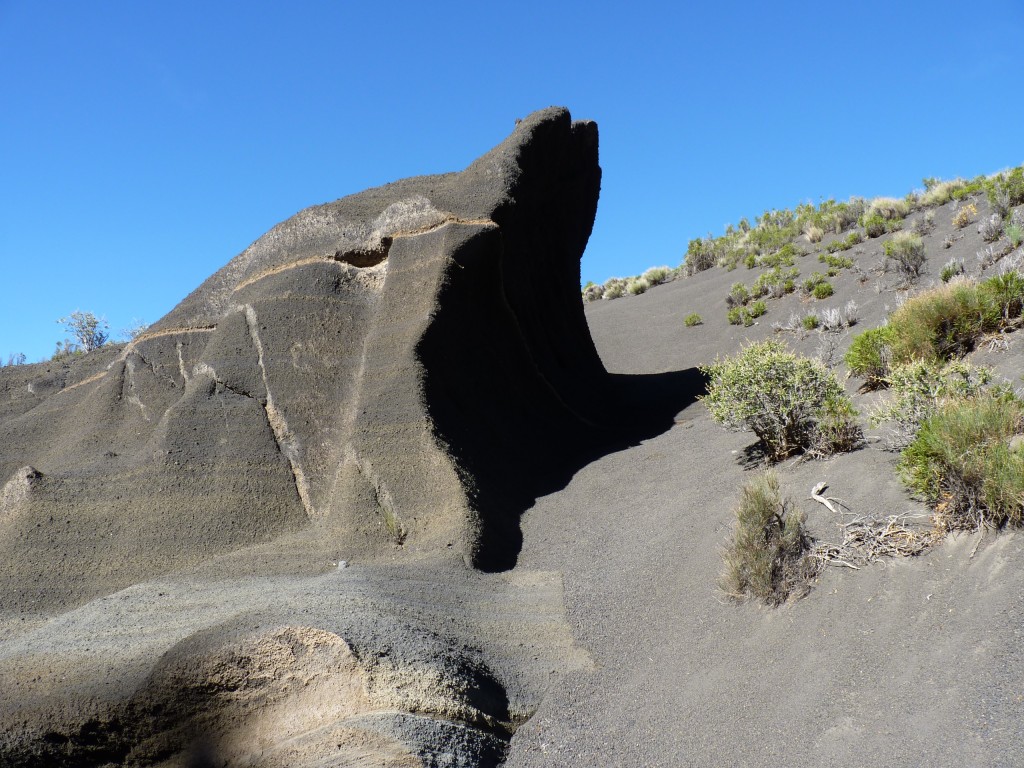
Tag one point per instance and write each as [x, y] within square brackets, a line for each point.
[387, 380]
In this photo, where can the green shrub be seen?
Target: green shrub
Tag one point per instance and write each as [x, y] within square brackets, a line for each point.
[875, 225]
[738, 295]
[757, 308]
[692, 319]
[656, 275]
[767, 556]
[951, 269]
[822, 290]
[1006, 190]
[637, 285]
[906, 252]
[939, 324]
[962, 462]
[739, 316]
[810, 322]
[940, 192]
[1014, 233]
[615, 288]
[889, 208]
[700, 255]
[817, 286]
[835, 262]
[775, 282]
[919, 389]
[781, 397]
[869, 355]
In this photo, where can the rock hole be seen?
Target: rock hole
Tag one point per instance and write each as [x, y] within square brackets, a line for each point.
[365, 257]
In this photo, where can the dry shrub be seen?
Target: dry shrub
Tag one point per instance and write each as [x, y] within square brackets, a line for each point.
[888, 208]
[964, 215]
[767, 557]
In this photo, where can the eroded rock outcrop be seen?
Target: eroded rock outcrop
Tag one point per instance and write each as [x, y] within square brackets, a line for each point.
[386, 380]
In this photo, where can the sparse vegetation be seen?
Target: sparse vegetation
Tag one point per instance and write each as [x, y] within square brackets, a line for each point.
[637, 285]
[767, 557]
[809, 321]
[889, 208]
[692, 319]
[786, 400]
[940, 192]
[905, 252]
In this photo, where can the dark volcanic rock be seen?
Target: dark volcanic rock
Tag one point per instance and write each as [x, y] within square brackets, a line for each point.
[395, 374]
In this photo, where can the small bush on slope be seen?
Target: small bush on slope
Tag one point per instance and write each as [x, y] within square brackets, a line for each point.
[767, 557]
[920, 389]
[963, 462]
[937, 325]
[791, 403]
[905, 251]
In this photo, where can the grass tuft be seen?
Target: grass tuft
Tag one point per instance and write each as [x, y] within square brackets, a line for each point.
[767, 557]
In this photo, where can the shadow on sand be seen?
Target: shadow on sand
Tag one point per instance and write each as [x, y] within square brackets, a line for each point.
[529, 455]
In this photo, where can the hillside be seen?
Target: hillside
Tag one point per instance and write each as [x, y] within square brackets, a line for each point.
[383, 491]
[907, 661]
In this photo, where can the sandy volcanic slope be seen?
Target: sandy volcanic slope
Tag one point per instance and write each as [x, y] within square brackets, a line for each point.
[916, 662]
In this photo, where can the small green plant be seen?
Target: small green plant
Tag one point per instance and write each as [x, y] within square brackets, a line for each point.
[739, 316]
[692, 319]
[781, 397]
[757, 308]
[767, 557]
[919, 389]
[817, 286]
[905, 251]
[810, 322]
[875, 225]
[835, 262]
[869, 355]
[963, 462]
[964, 215]
[822, 290]
[1014, 233]
[951, 269]
[738, 295]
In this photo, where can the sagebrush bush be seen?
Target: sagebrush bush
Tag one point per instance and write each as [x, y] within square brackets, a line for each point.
[962, 461]
[692, 319]
[813, 233]
[768, 555]
[700, 255]
[905, 252]
[657, 275]
[939, 324]
[964, 215]
[919, 389]
[615, 288]
[637, 285]
[951, 269]
[991, 229]
[783, 398]
[941, 192]
[592, 292]
[888, 208]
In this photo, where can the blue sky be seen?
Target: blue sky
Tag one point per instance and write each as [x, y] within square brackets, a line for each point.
[145, 144]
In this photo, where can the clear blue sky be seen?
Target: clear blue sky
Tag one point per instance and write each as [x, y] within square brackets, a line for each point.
[145, 144]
